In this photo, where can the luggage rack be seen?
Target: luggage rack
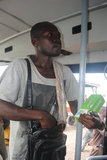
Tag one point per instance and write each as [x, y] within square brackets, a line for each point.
[97, 157]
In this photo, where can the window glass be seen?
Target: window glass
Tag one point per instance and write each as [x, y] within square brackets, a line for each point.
[2, 69]
[97, 82]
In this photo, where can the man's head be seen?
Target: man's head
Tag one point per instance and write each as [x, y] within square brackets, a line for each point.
[46, 38]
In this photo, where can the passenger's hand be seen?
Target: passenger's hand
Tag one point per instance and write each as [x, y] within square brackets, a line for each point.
[91, 121]
[47, 121]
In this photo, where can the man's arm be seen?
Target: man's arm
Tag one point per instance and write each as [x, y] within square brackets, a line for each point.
[10, 111]
[73, 106]
[92, 121]
[89, 121]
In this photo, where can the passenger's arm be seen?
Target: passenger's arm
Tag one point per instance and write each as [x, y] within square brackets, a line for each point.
[10, 111]
[101, 132]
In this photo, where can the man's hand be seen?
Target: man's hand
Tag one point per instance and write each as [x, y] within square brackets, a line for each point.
[47, 121]
[91, 121]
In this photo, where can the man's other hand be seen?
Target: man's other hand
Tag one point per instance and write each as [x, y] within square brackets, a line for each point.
[91, 121]
[47, 121]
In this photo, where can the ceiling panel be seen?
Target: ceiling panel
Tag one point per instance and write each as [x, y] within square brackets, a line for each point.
[12, 22]
[19, 15]
[5, 32]
[37, 10]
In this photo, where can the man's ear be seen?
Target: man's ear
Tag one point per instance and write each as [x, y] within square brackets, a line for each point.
[35, 42]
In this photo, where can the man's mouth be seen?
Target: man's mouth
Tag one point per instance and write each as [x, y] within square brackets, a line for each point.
[57, 46]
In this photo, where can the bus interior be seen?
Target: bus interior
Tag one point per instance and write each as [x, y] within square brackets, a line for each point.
[83, 26]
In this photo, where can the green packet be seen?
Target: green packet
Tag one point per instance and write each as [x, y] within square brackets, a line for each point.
[93, 103]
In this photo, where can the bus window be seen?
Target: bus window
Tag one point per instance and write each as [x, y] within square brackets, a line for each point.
[2, 69]
[96, 83]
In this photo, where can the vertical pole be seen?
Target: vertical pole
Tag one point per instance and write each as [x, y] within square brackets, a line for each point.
[82, 74]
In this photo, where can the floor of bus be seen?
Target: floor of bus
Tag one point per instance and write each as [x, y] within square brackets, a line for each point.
[70, 143]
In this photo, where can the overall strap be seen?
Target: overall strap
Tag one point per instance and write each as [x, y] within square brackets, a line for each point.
[29, 85]
[29, 90]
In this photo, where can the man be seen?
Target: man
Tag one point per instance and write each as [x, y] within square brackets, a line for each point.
[46, 40]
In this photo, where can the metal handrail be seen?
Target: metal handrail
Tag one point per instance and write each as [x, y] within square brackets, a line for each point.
[97, 157]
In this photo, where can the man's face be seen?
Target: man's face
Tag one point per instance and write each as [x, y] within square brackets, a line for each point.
[50, 43]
